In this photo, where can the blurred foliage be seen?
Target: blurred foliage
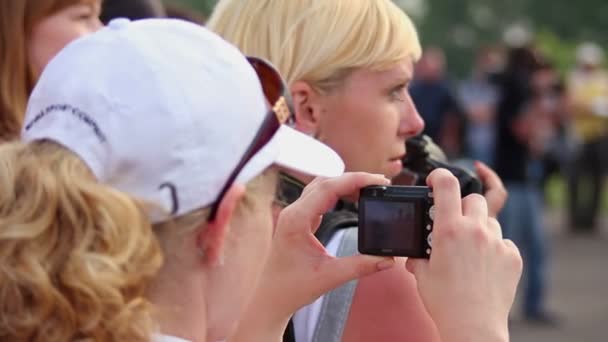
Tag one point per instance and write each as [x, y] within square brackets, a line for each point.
[203, 6]
[560, 51]
[462, 26]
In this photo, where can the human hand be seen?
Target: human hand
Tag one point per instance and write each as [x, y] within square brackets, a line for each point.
[299, 269]
[468, 285]
[495, 194]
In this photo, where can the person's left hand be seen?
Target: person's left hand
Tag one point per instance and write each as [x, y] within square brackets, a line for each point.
[495, 193]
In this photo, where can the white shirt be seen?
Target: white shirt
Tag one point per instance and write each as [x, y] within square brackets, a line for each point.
[305, 320]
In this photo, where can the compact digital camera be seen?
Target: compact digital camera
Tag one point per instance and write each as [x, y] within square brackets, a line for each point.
[398, 220]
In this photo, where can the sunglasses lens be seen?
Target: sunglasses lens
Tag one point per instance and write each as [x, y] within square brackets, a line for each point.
[275, 89]
[270, 79]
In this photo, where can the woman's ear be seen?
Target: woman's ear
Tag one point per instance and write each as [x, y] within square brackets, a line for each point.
[306, 101]
[212, 238]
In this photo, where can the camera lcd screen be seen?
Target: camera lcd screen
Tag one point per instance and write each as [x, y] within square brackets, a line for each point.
[391, 225]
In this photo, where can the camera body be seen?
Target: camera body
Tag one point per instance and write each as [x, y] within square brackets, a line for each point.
[396, 221]
[424, 156]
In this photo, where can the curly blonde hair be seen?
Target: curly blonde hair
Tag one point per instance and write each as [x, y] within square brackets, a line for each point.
[75, 256]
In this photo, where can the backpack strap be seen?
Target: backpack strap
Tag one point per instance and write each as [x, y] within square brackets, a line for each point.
[334, 221]
[336, 303]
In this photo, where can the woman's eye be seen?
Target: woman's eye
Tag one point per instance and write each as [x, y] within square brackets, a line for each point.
[84, 13]
[398, 93]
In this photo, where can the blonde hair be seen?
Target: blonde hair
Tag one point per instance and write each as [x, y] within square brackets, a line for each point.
[17, 20]
[318, 41]
[75, 256]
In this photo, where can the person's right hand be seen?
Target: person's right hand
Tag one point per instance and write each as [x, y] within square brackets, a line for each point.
[299, 269]
[468, 285]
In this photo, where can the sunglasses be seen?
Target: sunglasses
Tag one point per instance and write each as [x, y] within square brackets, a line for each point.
[281, 112]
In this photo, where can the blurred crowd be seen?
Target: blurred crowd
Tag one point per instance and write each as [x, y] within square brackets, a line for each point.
[530, 121]
[518, 113]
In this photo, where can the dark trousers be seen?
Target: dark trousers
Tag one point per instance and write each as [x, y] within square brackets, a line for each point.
[586, 183]
[521, 221]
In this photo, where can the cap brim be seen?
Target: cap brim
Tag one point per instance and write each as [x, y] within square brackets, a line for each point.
[295, 151]
[299, 152]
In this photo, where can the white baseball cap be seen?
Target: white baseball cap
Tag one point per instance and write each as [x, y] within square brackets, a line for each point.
[164, 110]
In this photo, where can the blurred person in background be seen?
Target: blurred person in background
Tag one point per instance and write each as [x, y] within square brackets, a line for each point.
[523, 130]
[551, 105]
[437, 103]
[132, 9]
[479, 97]
[32, 32]
[588, 91]
[350, 91]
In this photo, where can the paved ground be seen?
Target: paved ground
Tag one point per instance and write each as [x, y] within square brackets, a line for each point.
[579, 287]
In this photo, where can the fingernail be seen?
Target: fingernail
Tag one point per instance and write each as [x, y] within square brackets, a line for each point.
[385, 180]
[386, 264]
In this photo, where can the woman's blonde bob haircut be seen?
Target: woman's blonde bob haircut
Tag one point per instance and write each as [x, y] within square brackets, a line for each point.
[318, 41]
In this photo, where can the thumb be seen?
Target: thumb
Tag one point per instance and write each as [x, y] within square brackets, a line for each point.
[338, 271]
[417, 267]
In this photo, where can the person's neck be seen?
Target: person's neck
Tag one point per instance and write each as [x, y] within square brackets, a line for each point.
[180, 305]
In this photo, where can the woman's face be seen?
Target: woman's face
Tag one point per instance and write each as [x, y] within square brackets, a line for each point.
[367, 120]
[53, 33]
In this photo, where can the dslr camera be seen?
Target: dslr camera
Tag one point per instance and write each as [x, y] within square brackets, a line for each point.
[398, 220]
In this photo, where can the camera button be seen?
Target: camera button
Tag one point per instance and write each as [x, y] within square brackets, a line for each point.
[432, 213]
[429, 239]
